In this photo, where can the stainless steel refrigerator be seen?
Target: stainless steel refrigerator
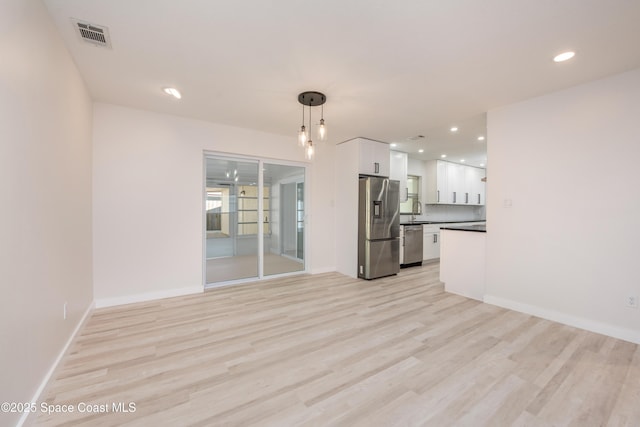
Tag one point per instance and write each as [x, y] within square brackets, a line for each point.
[378, 227]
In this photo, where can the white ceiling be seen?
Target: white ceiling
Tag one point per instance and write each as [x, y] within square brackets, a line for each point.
[390, 70]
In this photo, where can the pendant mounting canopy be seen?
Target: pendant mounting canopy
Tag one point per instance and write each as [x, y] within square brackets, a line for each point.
[311, 98]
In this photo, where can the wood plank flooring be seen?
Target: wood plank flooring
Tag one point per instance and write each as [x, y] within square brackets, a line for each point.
[328, 350]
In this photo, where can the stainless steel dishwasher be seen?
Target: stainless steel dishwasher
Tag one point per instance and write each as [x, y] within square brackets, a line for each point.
[412, 245]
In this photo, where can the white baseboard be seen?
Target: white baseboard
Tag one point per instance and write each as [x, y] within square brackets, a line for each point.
[148, 296]
[47, 377]
[323, 270]
[567, 319]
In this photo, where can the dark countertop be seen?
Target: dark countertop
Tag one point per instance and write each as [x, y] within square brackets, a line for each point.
[480, 228]
[437, 222]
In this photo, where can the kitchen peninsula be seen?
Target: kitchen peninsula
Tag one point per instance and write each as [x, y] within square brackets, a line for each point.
[462, 260]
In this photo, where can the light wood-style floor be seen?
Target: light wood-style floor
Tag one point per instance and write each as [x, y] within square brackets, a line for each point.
[327, 350]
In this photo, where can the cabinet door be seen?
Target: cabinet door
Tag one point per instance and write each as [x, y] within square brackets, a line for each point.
[442, 182]
[481, 187]
[476, 186]
[455, 183]
[373, 158]
[366, 153]
[436, 182]
[470, 186]
[398, 171]
[431, 182]
[382, 158]
[430, 245]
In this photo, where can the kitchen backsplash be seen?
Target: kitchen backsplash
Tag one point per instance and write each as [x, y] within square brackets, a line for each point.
[449, 213]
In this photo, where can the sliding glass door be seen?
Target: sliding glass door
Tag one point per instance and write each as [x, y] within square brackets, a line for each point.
[254, 215]
[281, 244]
[231, 215]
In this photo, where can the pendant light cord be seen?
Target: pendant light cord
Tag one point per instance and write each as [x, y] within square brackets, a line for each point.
[310, 102]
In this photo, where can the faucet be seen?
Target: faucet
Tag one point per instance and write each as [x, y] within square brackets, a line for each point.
[416, 209]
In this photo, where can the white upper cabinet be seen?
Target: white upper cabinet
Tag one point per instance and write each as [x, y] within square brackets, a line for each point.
[436, 182]
[474, 192]
[373, 157]
[454, 184]
[398, 171]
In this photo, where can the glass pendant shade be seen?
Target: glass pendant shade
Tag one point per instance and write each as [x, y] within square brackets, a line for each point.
[308, 152]
[302, 136]
[322, 131]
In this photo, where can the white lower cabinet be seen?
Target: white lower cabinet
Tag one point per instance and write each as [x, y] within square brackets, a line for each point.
[430, 242]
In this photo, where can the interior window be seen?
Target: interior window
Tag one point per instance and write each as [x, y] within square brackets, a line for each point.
[412, 205]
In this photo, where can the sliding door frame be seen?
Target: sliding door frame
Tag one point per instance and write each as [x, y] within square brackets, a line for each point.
[261, 162]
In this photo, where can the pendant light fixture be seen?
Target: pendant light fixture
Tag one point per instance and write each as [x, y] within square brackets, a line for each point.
[311, 99]
[302, 133]
[322, 129]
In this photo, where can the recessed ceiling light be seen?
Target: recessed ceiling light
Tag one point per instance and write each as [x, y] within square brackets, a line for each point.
[421, 151]
[481, 138]
[461, 160]
[564, 56]
[173, 92]
[454, 129]
[393, 144]
[444, 156]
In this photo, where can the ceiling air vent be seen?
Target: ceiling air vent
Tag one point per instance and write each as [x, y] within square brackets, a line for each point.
[97, 35]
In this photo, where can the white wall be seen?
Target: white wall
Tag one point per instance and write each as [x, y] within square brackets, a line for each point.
[346, 191]
[147, 183]
[568, 248]
[45, 183]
